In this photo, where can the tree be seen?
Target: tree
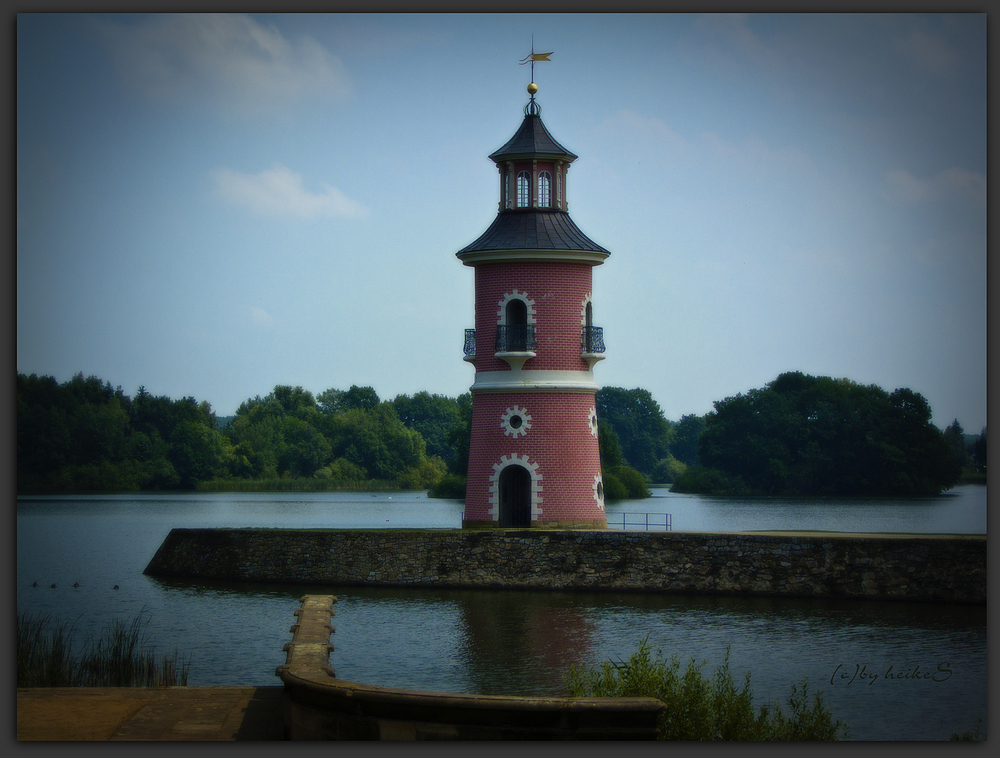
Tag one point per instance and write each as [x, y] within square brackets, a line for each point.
[816, 435]
[643, 432]
[304, 450]
[685, 444]
[609, 446]
[376, 440]
[978, 452]
[434, 416]
[197, 452]
[362, 398]
[955, 436]
[460, 437]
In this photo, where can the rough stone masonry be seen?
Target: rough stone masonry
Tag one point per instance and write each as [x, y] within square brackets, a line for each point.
[938, 569]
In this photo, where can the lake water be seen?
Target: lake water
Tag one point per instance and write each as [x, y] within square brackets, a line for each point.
[497, 642]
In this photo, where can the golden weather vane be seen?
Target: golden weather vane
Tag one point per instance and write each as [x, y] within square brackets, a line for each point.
[531, 58]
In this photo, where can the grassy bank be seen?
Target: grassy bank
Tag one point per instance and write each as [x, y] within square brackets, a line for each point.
[296, 485]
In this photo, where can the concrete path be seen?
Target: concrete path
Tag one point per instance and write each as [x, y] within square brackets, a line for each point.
[150, 714]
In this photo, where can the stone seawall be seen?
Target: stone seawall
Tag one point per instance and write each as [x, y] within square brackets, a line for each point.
[938, 569]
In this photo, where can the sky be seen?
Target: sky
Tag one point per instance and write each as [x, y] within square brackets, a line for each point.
[213, 205]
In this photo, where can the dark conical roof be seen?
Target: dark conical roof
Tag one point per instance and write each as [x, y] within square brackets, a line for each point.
[532, 139]
[534, 229]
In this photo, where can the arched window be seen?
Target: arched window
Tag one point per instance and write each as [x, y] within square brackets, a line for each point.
[544, 189]
[523, 190]
[517, 325]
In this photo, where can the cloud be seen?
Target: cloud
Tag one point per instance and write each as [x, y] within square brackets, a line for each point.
[954, 182]
[279, 192]
[229, 60]
[260, 317]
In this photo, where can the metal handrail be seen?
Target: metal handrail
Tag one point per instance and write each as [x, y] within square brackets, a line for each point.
[515, 338]
[667, 524]
[592, 339]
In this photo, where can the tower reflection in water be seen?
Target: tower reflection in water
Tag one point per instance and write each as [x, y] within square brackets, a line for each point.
[521, 641]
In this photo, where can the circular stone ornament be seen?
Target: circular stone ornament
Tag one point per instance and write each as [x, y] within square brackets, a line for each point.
[515, 422]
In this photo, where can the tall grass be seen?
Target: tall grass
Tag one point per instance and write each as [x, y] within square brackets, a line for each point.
[705, 709]
[120, 657]
[295, 485]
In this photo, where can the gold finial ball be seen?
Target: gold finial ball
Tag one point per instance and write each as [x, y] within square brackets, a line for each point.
[532, 88]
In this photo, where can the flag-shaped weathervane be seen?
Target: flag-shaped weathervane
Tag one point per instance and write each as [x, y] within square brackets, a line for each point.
[533, 56]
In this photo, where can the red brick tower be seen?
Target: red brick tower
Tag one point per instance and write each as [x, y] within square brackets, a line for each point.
[533, 457]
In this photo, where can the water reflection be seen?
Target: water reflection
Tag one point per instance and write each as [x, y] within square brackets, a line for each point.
[521, 641]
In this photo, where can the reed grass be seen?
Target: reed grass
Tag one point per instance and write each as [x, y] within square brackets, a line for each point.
[295, 485]
[120, 657]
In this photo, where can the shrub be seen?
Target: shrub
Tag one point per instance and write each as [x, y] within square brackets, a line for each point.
[704, 709]
[633, 480]
[708, 481]
[449, 486]
[614, 489]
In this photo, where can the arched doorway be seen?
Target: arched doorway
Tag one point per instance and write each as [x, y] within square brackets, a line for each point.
[515, 497]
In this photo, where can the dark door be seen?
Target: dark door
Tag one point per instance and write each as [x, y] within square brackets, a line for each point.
[515, 497]
[517, 326]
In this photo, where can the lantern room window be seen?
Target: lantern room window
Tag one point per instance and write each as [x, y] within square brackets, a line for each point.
[544, 189]
[523, 190]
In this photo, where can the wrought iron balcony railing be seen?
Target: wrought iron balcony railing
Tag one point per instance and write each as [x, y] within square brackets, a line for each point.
[470, 342]
[516, 339]
[592, 339]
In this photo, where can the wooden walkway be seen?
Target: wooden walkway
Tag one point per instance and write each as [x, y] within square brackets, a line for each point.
[162, 714]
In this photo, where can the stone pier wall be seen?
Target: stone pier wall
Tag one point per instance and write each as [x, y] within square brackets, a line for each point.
[318, 706]
[938, 569]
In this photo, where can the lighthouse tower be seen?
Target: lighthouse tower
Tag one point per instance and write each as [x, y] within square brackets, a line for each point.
[533, 456]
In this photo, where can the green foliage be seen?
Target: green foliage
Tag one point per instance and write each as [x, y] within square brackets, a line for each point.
[460, 436]
[120, 657]
[976, 735]
[633, 482]
[614, 489]
[423, 476]
[685, 444]
[668, 469]
[609, 446]
[705, 709]
[644, 434]
[449, 486]
[434, 417]
[85, 436]
[816, 435]
[954, 435]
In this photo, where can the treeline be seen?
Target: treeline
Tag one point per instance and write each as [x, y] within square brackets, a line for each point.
[798, 435]
[807, 435]
[85, 435]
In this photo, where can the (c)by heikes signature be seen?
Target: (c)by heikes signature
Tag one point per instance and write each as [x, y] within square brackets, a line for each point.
[861, 674]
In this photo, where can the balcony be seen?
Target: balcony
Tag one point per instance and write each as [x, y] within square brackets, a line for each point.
[516, 339]
[470, 346]
[592, 345]
[515, 344]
